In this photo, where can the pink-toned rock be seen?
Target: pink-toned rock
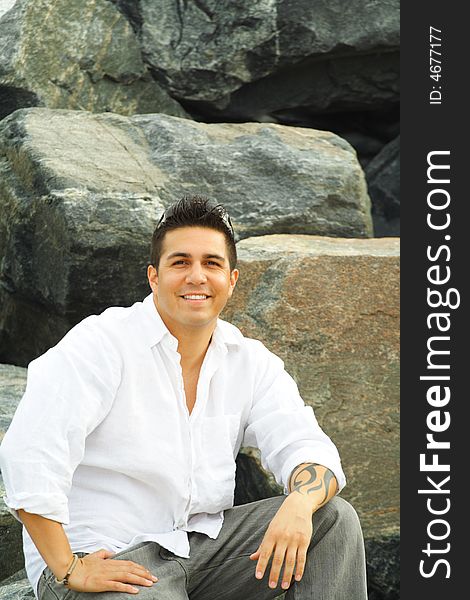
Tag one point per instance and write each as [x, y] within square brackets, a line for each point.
[330, 308]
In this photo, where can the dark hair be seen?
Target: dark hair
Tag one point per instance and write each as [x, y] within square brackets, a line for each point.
[194, 211]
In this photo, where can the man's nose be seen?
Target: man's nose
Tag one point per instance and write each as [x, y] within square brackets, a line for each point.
[196, 274]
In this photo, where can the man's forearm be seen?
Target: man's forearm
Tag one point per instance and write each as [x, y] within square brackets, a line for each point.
[315, 482]
[51, 541]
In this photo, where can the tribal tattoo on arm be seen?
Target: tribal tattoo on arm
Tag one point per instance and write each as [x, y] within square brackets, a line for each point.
[312, 478]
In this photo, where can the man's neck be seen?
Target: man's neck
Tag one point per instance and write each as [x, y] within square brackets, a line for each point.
[193, 342]
[192, 347]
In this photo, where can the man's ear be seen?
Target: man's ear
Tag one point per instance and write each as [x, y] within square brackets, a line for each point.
[152, 277]
[233, 280]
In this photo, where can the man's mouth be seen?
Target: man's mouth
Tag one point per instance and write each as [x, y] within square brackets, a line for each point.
[195, 296]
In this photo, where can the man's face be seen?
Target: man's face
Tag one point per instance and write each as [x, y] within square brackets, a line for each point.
[193, 282]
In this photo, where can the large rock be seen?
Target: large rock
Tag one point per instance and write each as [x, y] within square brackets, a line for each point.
[383, 566]
[80, 195]
[383, 179]
[11, 540]
[253, 482]
[16, 589]
[247, 59]
[272, 178]
[5, 6]
[330, 309]
[12, 386]
[80, 55]
[78, 205]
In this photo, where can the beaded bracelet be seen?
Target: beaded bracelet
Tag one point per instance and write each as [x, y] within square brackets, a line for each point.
[65, 580]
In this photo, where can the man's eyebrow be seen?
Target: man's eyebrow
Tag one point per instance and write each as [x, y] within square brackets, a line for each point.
[188, 255]
[216, 256]
[175, 254]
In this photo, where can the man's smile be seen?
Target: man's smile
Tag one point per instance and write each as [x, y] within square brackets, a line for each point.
[195, 297]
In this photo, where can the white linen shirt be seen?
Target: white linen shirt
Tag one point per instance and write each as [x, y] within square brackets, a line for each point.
[102, 440]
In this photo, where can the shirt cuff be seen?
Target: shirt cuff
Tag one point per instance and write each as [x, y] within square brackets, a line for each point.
[305, 455]
[49, 506]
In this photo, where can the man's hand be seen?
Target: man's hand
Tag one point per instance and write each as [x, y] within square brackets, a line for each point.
[97, 572]
[288, 537]
[290, 532]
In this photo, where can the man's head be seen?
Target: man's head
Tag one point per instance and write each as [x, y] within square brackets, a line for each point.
[193, 211]
[192, 274]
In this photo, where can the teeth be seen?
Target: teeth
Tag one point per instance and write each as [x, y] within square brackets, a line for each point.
[195, 297]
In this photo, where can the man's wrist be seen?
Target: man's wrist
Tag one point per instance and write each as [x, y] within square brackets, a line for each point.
[60, 568]
[311, 501]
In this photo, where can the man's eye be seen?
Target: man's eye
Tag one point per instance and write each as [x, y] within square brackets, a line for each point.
[179, 262]
[213, 263]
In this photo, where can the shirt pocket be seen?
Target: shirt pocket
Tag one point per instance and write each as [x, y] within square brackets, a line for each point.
[219, 445]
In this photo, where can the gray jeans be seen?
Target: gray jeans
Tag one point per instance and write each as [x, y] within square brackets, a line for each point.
[221, 570]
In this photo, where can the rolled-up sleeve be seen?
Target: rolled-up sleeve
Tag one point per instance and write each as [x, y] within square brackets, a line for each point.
[69, 391]
[284, 429]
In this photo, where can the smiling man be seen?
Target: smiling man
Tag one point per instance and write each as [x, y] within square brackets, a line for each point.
[120, 460]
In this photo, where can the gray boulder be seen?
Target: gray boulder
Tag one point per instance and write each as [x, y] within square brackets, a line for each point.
[383, 180]
[248, 59]
[78, 55]
[12, 386]
[272, 178]
[383, 567]
[16, 589]
[81, 193]
[11, 539]
[78, 205]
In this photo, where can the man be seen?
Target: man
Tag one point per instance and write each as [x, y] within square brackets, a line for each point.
[120, 460]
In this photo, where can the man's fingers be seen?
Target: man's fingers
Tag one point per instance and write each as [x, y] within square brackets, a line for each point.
[142, 571]
[130, 575]
[255, 555]
[264, 552]
[122, 567]
[301, 560]
[278, 559]
[137, 579]
[117, 586]
[288, 568]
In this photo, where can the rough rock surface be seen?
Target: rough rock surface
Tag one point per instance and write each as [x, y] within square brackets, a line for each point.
[11, 541]
[253, 58]
[252, 481]
[12, 385]
[78, 206]
[313, 87]
[383, 567]
[81, 193]
[78, 55]
[272, 178]
[330, 309]
[383, 179]
[16, 589]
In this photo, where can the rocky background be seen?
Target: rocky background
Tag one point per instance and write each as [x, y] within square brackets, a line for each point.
[287, 111]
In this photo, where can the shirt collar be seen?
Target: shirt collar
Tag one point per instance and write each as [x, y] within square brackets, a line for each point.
[155, 328]
[225, 334]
